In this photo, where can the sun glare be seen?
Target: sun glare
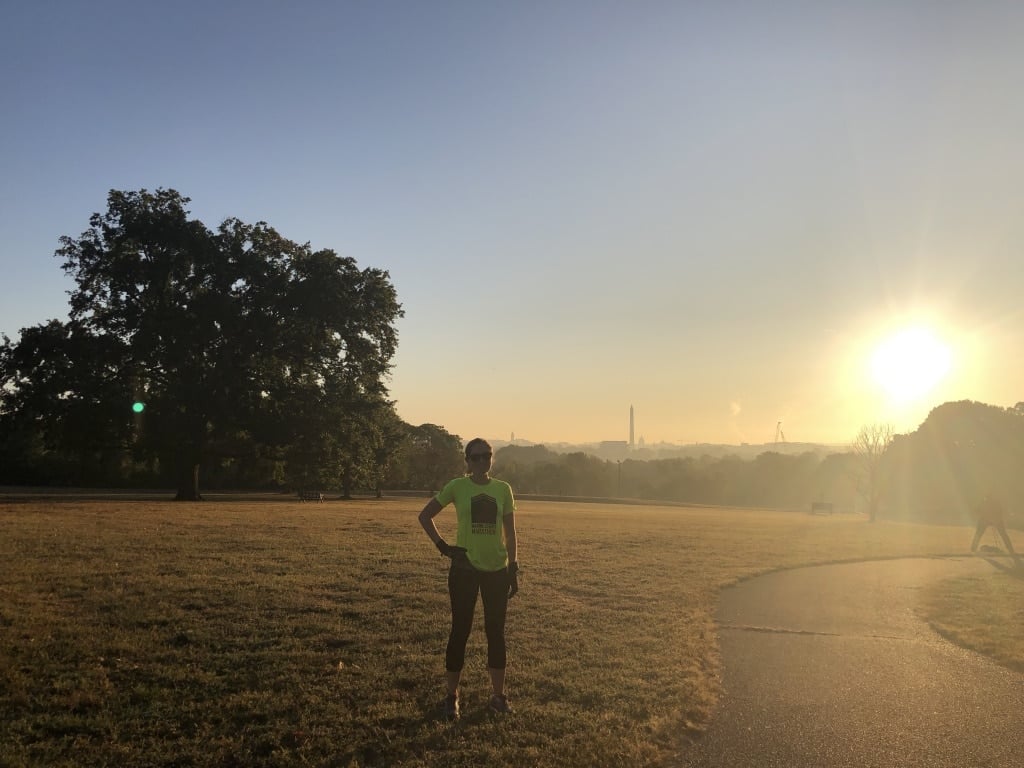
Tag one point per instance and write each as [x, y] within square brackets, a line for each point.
[910, 363]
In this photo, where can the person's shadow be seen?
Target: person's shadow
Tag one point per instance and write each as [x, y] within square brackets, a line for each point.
[994, 556]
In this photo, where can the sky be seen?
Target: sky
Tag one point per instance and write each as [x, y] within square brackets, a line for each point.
[736, 217]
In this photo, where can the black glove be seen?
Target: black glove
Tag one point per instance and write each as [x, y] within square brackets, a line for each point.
[455, 553]
[513, 579]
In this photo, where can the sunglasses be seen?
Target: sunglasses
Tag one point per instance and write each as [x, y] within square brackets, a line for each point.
[479, 456]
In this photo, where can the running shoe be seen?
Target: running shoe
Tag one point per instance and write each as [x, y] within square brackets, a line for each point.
[499, 703]
[450, 705]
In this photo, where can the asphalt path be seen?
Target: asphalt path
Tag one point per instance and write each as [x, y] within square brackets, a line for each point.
[833, 666]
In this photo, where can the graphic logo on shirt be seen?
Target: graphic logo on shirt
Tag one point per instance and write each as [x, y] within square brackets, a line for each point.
[484, 513]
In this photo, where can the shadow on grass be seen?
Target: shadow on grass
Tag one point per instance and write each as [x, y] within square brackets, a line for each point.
[995, 559]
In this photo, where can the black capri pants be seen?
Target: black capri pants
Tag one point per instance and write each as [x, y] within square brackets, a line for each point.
[464, 583]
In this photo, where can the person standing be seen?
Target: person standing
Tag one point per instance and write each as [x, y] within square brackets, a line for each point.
[484, 563]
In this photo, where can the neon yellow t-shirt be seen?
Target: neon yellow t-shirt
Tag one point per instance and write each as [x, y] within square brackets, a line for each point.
[480, 512]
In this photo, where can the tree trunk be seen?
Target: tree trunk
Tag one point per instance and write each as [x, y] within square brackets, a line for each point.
[188, 482]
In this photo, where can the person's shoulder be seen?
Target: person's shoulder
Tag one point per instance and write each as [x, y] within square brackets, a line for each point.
[453, 484]
[457, 481]
[501, 484]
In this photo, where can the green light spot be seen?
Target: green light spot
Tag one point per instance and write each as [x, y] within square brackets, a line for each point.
[138, 407]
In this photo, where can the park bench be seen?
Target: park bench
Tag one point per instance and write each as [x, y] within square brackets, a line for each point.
[821, 506]
[311, 496]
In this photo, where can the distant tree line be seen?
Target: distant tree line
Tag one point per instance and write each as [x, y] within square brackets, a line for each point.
[393, 455]
[770, 480]
[939, 472]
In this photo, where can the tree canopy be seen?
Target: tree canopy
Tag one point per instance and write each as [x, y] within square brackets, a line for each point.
[222, 335]
[962, 452]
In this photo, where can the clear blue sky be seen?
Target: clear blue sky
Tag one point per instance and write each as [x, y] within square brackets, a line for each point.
[711, 211]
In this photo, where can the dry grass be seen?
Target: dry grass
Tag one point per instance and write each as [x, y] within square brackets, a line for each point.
[246, 634]
[983, 613]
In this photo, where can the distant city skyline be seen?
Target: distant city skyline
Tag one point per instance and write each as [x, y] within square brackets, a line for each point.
[639, 444]
[777, 436]
[651, 446]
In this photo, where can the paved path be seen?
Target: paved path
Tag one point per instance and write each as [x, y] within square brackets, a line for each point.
[831, 666]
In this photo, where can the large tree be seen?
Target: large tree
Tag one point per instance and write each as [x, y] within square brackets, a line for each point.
[224, 332]
[962, 452]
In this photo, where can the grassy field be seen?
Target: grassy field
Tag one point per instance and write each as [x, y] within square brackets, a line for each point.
[983, 613]
[255, 633]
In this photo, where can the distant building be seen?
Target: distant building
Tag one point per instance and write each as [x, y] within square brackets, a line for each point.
[631, 444]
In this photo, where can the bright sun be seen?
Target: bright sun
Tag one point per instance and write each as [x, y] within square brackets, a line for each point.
[908, 364]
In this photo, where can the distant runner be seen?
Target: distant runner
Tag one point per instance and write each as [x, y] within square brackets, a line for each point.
[483, 562]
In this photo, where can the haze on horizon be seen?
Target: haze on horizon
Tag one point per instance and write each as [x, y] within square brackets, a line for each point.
[726, 215]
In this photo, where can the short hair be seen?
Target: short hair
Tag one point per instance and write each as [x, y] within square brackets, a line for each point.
[474, 443]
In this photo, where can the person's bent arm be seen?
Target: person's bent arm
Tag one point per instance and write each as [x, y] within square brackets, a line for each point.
[427, 521]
